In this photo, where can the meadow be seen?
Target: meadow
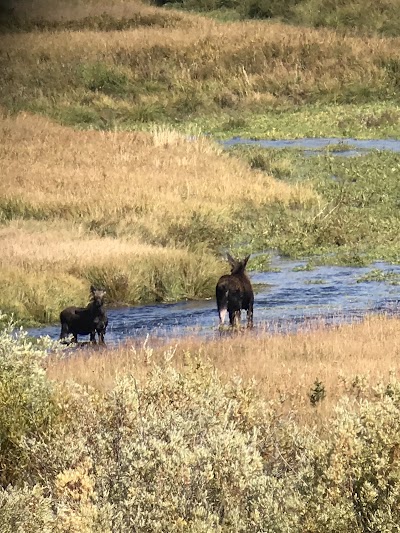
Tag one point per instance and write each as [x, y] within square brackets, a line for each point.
[112, 176]
[138, 213]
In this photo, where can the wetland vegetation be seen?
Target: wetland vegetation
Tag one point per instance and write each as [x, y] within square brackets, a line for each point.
[112, 175]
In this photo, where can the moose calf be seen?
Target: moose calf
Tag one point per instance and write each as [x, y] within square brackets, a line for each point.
[234, 293]
[86, 320]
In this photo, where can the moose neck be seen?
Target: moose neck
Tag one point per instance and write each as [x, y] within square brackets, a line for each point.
[238, 271]
[94, 309]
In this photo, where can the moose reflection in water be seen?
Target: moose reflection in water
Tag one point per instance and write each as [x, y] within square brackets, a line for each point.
[86, 320]
[234, 293]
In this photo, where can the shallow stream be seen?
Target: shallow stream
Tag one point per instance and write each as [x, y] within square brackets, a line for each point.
[345, 147]
[285, 300]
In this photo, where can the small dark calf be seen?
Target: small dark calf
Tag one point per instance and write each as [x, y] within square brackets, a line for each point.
[234, 293]
[86, 320]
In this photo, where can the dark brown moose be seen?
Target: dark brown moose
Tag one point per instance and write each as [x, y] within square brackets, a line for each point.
[234, 293]
[86, 320]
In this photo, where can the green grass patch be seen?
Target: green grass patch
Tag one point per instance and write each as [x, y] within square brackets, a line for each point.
[362, 120]
[356, 220]
[392, 278]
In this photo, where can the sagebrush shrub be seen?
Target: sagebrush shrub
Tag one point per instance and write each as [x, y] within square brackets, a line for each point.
[27, 406]
[188, 451]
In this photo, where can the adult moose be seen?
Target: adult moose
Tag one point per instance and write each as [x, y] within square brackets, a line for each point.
[86, 320]
[234, 293]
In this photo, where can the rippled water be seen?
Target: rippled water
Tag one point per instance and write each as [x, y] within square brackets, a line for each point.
[285, 301]
[351, 147]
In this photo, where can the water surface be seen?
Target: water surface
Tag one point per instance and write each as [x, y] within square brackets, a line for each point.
[285, 301]
[310, 146]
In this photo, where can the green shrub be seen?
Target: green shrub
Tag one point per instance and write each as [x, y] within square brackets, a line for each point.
[353, 475]
[27, 406]
[181, 453]
[25, 510]
[187, 451]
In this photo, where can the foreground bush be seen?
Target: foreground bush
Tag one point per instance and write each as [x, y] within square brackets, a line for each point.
[187, 451]
[27, 404]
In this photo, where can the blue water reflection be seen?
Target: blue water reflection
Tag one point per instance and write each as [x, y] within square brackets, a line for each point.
[285, 301]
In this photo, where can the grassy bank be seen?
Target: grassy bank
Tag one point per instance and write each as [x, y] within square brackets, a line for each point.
[346, 360]
[295, 433]
[147, 213]
[133, 77]
[144, 215]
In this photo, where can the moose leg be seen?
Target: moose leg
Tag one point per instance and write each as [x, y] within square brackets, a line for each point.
[101, 336]
[250, 316]
[222, 302]
[234, 317]
[64, 330]
[93, 337]
[222, 314]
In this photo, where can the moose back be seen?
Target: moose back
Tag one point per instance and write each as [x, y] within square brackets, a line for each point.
[234, 292]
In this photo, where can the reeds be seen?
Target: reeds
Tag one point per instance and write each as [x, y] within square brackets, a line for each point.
[136, 212]
[153, 74]
[349, 360]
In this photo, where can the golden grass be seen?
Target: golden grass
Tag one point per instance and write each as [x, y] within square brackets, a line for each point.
[348, 360]
[45, 267]
[86, 206]
[134, 180]
[65, 247]
[251, 60]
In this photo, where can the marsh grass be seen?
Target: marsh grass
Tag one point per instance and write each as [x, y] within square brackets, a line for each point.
[153, 74]
[349, 360]
[145, 214]
[157, 179]
[138, 213]
[357, 221]
[361, 120]
[46, 268]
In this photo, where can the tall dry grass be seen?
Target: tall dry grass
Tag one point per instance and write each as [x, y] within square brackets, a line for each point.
[129, 183]
[348, 360]
[154, 73]
[135, 212]
[45, 267]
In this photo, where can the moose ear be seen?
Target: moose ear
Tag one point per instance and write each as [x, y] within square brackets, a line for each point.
[231, 261]
[246, 259]
[92, 288]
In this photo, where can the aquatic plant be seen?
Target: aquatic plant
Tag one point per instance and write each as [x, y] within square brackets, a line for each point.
[376, 274]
